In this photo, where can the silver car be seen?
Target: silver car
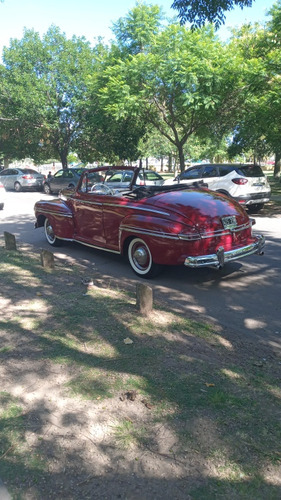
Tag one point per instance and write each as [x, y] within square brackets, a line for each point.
[19, 179]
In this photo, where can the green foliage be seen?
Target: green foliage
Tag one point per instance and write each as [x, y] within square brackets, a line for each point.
[197, 12]
[43, 85]
[259, 127]
[160, 90]
[135, 32]
[187, 81]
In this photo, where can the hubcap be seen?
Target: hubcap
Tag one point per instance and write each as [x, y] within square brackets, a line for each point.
[140, 257]
[50, 232]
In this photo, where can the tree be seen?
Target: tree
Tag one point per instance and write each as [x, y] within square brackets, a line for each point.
[187, 81]
[197, 12]
[135, 31]
[105, 137]
[259, 128]
[43, 84]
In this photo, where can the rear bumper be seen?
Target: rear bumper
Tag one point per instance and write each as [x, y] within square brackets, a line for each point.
[221, 257]
[253, 199]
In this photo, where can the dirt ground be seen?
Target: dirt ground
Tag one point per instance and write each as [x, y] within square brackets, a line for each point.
[76, 438]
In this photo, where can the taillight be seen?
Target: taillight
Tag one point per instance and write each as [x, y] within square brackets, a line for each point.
[240, 181]
[142, 183]
[27, 176]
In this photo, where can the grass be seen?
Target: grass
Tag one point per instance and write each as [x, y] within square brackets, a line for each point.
[275, 185]
[191, 380]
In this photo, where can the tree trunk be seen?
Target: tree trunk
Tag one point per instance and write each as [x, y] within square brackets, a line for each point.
[63, 158]
[181, 157]
[277, 164]
[170, 163]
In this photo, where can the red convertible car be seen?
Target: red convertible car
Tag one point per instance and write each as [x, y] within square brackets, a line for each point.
[152, 225]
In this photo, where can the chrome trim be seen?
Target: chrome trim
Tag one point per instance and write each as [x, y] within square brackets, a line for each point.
[218, 259]
[225, 232]
[191, 237]
[119, 205]
[187, 236]
[141, 209]
[259, 200]
[158, 234]
[52, 213]
[95, 246]
[87, 202]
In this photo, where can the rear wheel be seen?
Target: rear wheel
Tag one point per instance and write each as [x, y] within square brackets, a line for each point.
[50, 235]
[17, 187]
[47, 189]
[256, 207]
[140, 259]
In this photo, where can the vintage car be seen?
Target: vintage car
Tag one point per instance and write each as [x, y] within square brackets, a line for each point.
[153, 225]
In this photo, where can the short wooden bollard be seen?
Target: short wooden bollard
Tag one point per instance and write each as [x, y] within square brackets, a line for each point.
[47, 259]
[144, 298]
[10, 241]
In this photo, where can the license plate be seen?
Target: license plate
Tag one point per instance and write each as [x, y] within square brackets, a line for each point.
[229, 222]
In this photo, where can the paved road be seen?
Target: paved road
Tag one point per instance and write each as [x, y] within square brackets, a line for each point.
[243, 297]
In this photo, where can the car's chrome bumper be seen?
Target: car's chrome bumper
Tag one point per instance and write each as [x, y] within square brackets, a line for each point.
[219, 258]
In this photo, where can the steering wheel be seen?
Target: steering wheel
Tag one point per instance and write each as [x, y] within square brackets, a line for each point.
[101, 188]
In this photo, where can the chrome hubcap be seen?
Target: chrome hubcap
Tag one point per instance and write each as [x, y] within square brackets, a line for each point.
[141, 257]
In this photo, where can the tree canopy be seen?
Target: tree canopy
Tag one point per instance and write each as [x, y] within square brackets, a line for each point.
[198, 12]
[43, 83]
[157, 87]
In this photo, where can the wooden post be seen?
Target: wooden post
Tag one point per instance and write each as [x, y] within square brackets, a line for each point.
[144, 298]
[10, 241]
[47, 259]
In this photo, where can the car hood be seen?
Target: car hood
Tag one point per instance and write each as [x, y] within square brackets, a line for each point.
[203, 208]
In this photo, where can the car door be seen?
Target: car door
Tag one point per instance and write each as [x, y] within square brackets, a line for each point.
[57, 182]
[189, 176]
[9, 177]
[210, 176]
[88, 217]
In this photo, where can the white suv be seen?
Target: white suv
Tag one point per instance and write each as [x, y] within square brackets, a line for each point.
[246, 183]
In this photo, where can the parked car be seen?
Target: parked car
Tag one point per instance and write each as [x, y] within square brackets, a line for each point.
[246, 183]
[2, 195]
[152, 225]
[20, 179]
[122, 179]
[64, 178]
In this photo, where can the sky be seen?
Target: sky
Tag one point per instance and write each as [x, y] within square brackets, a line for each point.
[94, 18]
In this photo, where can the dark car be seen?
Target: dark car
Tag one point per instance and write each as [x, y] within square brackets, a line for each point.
[65, 178]
[68, 177]
[21, 179]
[152, 225]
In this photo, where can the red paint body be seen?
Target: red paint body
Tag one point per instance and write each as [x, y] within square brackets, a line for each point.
[175, 224]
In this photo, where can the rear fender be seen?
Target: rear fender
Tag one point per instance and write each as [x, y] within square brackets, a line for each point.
[154, 231]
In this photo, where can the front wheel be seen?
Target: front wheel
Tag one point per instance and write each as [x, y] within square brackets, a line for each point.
[140, 259]
[50, 235]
